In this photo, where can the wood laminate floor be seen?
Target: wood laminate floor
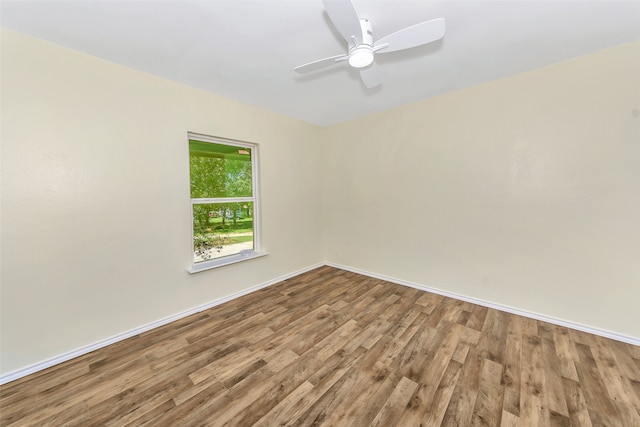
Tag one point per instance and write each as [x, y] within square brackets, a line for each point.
[334, 348]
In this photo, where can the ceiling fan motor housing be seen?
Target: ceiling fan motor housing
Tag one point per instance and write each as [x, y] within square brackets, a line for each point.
[361, 55]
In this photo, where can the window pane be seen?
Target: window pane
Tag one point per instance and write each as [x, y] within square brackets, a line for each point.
[221, 229]
[219, 170]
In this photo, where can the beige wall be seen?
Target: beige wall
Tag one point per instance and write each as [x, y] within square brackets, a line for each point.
[95, 198]
[523, 192]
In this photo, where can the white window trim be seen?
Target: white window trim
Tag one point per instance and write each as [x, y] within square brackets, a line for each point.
[244, 255]
[231, 259]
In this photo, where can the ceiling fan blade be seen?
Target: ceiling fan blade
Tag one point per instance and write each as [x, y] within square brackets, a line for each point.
[345, 19]
[320, 64]
[371, 76]
[415, 35]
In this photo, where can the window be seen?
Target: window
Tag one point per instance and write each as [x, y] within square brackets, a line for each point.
[224, 203]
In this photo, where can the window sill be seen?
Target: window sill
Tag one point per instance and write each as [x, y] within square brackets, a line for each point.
[231, 259]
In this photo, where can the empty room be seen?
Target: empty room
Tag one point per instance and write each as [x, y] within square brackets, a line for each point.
[320, 212]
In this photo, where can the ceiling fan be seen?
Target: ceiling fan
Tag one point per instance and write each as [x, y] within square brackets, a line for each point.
[358, 32]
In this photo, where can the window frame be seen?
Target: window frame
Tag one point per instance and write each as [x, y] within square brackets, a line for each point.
[254, 198]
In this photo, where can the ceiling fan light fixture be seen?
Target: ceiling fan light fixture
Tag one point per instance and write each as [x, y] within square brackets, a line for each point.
[361, 56]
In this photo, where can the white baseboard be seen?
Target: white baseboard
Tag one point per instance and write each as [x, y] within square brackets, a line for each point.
[505, 308]
[22, 372]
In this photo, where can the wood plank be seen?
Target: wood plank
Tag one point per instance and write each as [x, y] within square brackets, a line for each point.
[512, 368]
[534, 409]
[553, 379]
[438, 407]
[566, 352]
[395, 403]
[592, 384]
[488, 407]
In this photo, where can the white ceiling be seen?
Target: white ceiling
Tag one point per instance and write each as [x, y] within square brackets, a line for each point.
[246, 50]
